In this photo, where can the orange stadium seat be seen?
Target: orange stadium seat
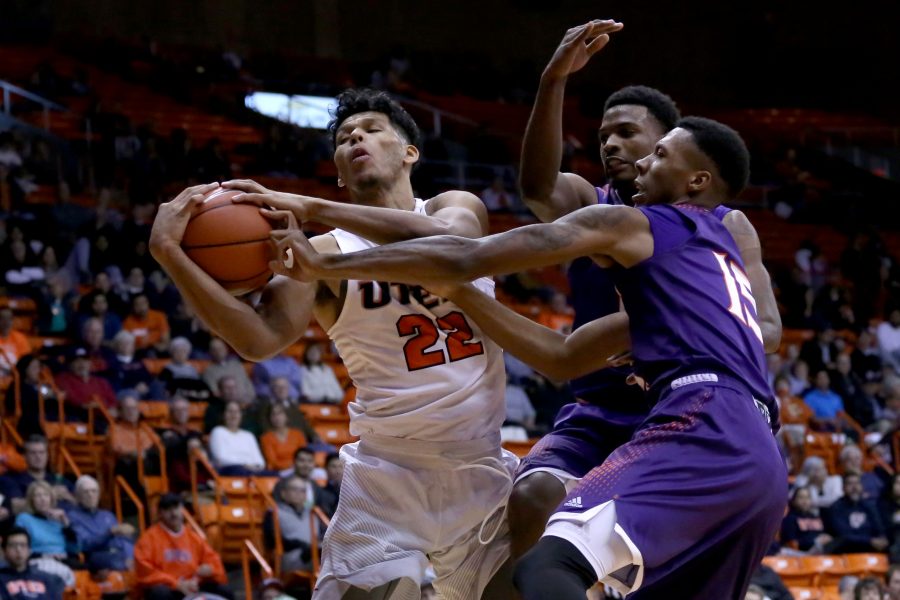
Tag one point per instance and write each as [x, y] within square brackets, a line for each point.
[865, 565]
[829, 568]
[805, 593]
[791, 570]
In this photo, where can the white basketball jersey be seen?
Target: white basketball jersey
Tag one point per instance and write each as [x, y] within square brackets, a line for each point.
[422, 369]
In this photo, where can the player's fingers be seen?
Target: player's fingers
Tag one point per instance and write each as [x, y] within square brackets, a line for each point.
[251, 198]
[245, 185]
[597, 43]
[281, 216]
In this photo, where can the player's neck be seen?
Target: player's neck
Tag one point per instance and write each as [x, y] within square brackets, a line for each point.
[397, 194]
[625, 190]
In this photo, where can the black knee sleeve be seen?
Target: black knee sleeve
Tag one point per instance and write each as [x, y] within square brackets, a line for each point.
[554, 568]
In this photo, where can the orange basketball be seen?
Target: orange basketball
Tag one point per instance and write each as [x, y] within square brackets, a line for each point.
[230, 242]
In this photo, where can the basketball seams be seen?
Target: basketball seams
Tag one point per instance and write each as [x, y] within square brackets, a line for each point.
[199, 246]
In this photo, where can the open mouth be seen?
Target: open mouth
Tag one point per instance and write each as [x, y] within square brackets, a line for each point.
[359, 155]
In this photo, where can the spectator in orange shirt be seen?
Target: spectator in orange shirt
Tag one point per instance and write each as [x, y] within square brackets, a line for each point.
[131, 441]
[149, 327]
[13, 344]
[560, 316]
[280, 442]
[173, 561]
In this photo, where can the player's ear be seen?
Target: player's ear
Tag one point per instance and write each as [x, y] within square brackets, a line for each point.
[412, 155]
[699, 181]
[340, 181]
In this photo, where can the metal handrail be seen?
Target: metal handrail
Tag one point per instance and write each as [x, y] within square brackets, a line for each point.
[248, 550]
[10, 89]
[121, 484]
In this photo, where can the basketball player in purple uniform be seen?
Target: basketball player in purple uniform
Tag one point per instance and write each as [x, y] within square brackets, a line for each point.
[608, 410]
[693, 500]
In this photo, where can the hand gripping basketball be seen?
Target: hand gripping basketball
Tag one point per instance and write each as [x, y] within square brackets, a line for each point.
[296, 258]
[172, 217]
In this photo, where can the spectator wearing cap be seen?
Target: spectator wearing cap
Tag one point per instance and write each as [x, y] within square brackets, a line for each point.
[82, 389]
[106, 543]
[173, 561]
[18, 579]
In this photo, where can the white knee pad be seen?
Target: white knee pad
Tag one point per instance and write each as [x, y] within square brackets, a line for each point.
[595, 535]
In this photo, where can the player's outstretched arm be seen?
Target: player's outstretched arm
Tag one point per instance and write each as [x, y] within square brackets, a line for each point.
[560, 357]
[618, 232]
[548, 193]
[284, 309]
[452, 213]
[747, 241]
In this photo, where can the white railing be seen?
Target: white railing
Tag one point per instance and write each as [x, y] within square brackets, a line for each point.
[10, 90]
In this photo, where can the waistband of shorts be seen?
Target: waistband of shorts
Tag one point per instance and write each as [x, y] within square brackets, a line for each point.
[710, 378]
[426, 452]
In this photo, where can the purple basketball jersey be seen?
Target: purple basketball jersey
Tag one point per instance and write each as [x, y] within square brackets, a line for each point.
[690, 305]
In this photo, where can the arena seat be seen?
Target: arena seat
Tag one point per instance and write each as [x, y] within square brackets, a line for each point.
[829, 569]
[791, 570]
[336, 434]
[865, 565]
[805, 593]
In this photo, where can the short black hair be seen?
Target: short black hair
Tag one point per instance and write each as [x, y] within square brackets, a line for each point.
[304, 450]
[355, 101]
[725, 147]
[16, 531]
[36, 438]
[330, 457]
[169, 500]
[660, 105]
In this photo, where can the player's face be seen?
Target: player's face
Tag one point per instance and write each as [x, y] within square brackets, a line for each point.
[628, 133]
[369, 150]
[664, 175]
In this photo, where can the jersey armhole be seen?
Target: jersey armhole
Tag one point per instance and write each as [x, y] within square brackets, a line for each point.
[670, 226]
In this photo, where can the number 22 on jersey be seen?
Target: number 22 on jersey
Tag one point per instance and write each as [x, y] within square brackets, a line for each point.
[740, 294]
[416, 350]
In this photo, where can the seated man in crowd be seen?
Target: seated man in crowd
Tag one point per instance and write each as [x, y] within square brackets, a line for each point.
[180, 438]
[280, 365]
[129, 372]
[853, 522]
[294, 506]
[304, 465]
[222, 364]
[173, 561]
[825, 404]
[82, 389]
[131, 441]
[851, 459]
[18, 579]
[102, 539]
[149, 327]
[15, 485]
[334, 467]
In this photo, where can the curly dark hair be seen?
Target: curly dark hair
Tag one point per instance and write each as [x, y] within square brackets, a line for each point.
[355, 101]
[660, 105]
[724, 146]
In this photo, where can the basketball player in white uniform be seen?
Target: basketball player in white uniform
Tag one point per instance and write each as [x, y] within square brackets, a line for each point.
[428, 479]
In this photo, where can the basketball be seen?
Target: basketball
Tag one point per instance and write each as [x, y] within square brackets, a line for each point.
[230, 242]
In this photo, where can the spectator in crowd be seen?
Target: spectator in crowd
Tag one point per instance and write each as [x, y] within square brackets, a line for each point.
[889, 512]
[892, 581]
[55, 310]
[82, 389]
[229, 391]
[866, 356]
[53, 539]
[297, 499]
[847, 384]
[824, 489]
[30, 388]
[825, 404]
[888, 335]
[102, 358]
[131, 441]
[235, 451]
[497, 198]
[280, 365]
[853, 522]
[794, 411]
[180, 377]
[103, 540]
[754, 592]
[13, 344]
[560, 317]
[180, 439]
[318, 381]
[281, 442]
[803, 529]
[869, 588]
[95, 305]
[272, 589]
[334, 468]
[15, 485]
[222, 364]
[851, 461]
[799, 378]
[19, 580]
[847, 587]
[129, 372]
[173, 561]
[820, 352]
[304, 465]
[767, 580]
[149, 327]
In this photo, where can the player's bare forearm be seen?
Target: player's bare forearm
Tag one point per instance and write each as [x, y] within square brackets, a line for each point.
[248, 332]
[542, 148]
[388, 225]
[597, 230]
[547, 351]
